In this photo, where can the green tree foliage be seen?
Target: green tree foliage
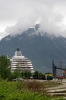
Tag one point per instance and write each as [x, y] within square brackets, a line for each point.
[27, 74]
[4, 67]
[11, 91]
[36, 73]
[16, 73]
[40, 75]
[22, 74]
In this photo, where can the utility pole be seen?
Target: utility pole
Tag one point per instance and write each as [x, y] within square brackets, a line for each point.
[61, 69]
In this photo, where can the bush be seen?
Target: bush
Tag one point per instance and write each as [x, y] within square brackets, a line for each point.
[16, 91]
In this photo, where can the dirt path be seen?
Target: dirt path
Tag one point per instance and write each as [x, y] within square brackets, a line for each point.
[58, 90]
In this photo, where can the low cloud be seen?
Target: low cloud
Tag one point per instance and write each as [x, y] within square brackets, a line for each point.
[51, 14]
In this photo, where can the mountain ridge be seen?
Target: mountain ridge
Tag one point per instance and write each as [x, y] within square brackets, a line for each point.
[40, 49]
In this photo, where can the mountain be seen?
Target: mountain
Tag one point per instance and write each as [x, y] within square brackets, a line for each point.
[40, 49]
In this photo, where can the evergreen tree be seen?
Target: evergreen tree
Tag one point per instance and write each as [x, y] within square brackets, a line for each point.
[4, 67]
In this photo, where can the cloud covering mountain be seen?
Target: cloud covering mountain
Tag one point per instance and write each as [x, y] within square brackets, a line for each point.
[17, 16]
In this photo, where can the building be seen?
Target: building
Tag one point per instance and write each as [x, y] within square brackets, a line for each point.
[20, 62]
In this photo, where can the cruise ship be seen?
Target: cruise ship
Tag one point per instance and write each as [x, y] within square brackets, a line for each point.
[20, 62]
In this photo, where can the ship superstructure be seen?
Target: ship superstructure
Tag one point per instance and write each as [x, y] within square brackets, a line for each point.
[20, 62]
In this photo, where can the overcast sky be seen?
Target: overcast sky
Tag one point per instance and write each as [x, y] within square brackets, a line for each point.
[18, 15]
